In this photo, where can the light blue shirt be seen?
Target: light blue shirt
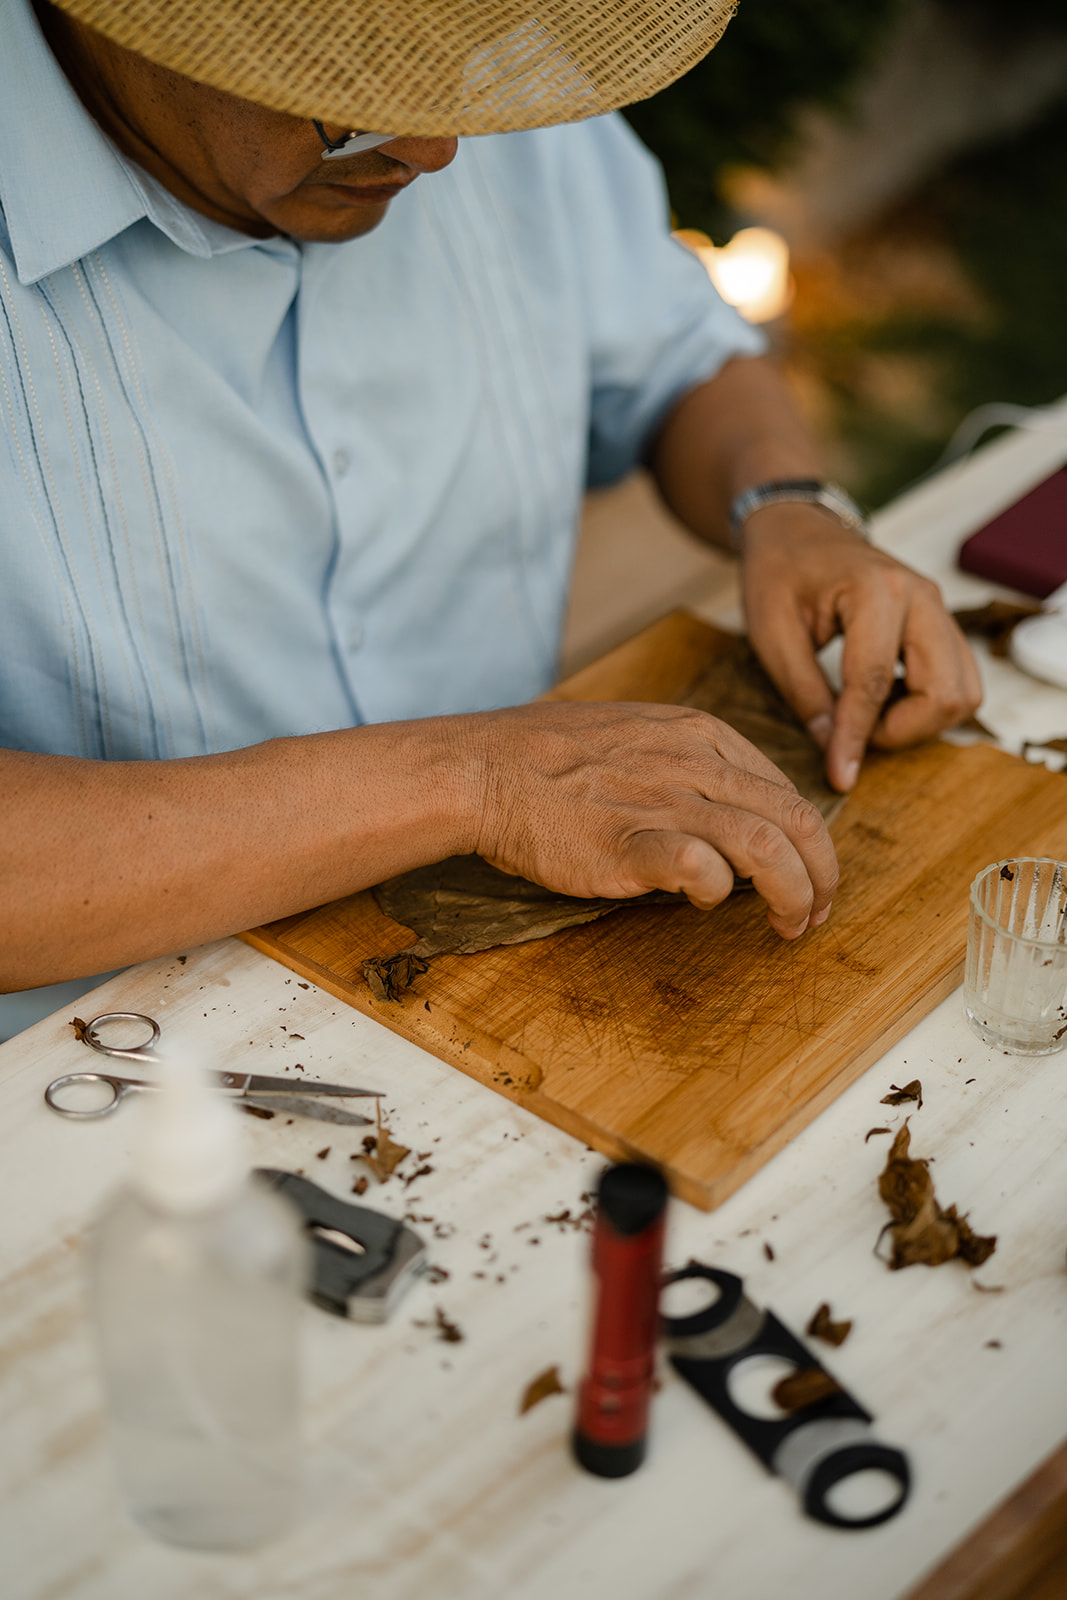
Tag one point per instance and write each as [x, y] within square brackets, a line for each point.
[256, 488]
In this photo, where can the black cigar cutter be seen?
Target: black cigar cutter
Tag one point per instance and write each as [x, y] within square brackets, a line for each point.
[815, 1447]
[362, 1261]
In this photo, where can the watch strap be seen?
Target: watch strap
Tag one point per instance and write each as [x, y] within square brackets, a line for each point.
[812, 491]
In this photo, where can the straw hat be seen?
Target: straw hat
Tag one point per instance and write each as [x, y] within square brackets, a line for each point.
[421, 66]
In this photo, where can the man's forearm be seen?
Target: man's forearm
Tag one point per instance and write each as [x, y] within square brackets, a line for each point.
[105, 863]
[739, 429]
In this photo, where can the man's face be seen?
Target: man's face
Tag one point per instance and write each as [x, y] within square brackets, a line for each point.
[256, 170]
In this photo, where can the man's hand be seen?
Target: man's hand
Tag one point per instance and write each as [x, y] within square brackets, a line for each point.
[806, 578]
[616, 800]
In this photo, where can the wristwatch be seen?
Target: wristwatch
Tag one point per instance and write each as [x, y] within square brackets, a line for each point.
[830, 496]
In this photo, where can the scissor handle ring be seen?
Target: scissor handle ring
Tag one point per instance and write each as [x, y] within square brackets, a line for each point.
[117, 1091]
[132, 1051]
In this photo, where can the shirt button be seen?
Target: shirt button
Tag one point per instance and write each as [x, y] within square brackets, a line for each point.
[341, 462]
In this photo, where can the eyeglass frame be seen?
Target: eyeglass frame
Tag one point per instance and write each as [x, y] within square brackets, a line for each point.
[351, 144]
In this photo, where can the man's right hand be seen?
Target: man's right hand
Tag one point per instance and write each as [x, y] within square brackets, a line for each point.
[616, 799]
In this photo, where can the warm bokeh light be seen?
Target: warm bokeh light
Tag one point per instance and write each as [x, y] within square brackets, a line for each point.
[751, 272]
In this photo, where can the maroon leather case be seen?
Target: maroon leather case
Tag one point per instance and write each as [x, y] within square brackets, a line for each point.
[1026, 546]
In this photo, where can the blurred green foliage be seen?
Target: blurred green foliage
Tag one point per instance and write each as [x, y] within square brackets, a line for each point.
[739, 106]
[1000, 210]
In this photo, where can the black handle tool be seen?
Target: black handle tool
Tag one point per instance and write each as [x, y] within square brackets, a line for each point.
[362, 1261]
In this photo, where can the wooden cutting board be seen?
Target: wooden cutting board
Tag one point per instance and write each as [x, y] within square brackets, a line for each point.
[700, 1040]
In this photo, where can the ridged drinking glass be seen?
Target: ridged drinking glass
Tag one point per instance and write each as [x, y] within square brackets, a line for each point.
[1015, 989]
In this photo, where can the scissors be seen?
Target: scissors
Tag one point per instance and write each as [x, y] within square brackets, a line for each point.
[251, 1088]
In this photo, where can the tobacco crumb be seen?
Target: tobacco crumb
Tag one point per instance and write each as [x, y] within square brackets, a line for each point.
[920, 1229]
[447, 1330]
[567, 1219]
[993, 1344]
[360, 1186]
[255, 1111]
[80, 1029]
[872, 1131]
[478, 1274]
[182, 960]
[539, 1388]
[437, 1274]
[533, 1240]
[443, 1230]
[299, 1036]
[805, 1387]
[768, 1250]
[1007, 874]
[420, 1172]
[910, 1091]
[298, 1066]
[822, 1326]
[303, 986]
[426, 1005]
[966, 1081]
[320, 1155]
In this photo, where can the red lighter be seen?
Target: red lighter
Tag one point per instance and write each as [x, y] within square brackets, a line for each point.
[613, 1399]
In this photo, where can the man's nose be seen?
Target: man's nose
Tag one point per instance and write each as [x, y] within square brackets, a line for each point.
[422, 155]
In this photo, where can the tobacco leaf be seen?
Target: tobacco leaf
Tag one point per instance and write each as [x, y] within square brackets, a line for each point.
[539, 1388]
[463, 904]
[910, 1091]
[995, 622]
[735, 688]
[80, 1029]
[804, 1387]
[921, 1230]
[822, 1326]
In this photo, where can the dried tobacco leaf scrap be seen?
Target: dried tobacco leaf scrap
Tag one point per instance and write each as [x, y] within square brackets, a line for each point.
[381, 1153]
[539, 1388]
[804, 1387]
[463, 904]
[899, 1097]
[996, 622]
[822, 1326]
[80, 1029]
[921, 1230]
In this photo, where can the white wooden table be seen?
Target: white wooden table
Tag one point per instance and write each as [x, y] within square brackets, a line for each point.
[422, 1479]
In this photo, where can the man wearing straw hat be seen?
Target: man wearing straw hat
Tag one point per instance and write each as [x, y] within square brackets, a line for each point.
[299, 402]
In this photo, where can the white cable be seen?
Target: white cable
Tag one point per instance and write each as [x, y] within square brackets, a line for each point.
[999, 414]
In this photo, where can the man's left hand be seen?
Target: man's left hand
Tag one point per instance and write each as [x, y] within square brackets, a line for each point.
[806, 577]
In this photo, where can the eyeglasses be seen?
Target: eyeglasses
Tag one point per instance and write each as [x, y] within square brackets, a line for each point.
[351, 143]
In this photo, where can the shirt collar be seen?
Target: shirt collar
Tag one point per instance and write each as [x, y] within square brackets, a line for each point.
[64, 188]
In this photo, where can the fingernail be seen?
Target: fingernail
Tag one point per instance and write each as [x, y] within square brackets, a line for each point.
[820, 728]
[849, 773]
[820, 917]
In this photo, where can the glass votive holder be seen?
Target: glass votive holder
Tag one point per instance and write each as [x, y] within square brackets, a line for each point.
[1015, 987]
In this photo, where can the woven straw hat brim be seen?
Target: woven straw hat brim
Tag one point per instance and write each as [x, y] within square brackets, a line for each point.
[429, 67]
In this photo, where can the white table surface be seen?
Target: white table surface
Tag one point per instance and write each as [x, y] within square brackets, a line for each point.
[422, 1479]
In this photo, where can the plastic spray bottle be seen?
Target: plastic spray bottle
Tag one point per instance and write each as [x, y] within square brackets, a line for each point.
[195, 1279]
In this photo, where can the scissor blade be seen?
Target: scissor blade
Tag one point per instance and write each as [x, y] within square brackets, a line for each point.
[256, 1083]
[296, 1106]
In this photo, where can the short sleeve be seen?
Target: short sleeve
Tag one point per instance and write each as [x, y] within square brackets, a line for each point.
[657, 326]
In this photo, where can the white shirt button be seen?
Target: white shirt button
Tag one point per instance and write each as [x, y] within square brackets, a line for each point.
[341, 462]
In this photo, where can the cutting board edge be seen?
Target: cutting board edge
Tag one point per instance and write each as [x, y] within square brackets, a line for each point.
[503, 1070]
